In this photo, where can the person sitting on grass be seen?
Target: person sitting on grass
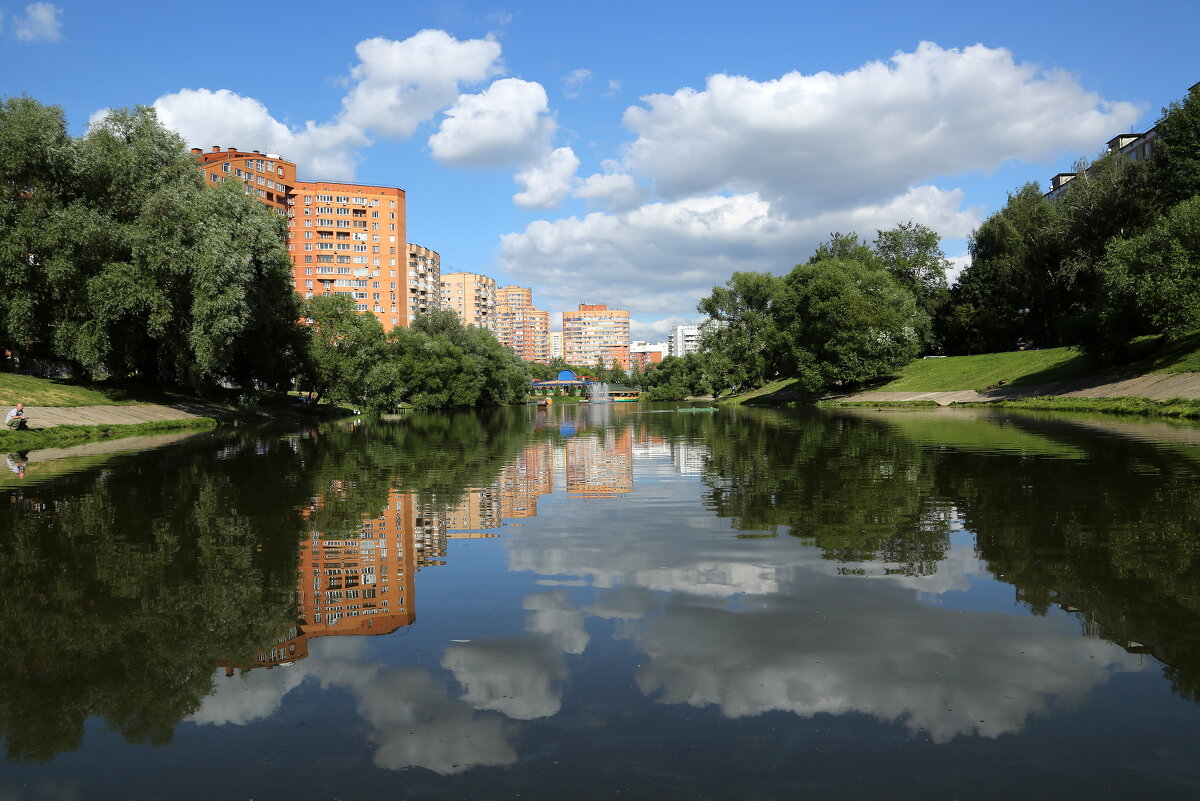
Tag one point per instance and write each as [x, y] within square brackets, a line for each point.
[17, 420]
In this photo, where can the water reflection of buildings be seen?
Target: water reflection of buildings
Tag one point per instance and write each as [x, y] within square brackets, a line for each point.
[600, 469]
[361, 582]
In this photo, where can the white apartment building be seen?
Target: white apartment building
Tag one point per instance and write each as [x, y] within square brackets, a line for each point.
[683, 339]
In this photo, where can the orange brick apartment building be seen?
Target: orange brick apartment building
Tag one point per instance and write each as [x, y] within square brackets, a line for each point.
[520, 326]
[343, 238]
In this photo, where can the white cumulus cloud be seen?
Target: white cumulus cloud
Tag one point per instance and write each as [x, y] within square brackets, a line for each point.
[40, 23]
[505, 124]
[400, 84]
[810, 141]
[395, 87]
[547, 182]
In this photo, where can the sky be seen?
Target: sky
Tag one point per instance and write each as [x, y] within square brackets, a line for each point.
[633, 154]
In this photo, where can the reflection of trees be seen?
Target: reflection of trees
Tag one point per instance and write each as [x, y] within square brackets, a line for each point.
[856, 490]
[1112, 532]
[1114, 536]
[125, 585]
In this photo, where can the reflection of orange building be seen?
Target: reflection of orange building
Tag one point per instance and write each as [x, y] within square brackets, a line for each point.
[598, 469]
[525, 479]
[478, 511]
[361, 584]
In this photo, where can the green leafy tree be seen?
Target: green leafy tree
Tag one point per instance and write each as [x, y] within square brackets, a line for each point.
[118, 260]
[1175, 165]
[1010, 290]
[742, 330]
[912, 254]
[844, 322]
[343, 349]
[1152, 281]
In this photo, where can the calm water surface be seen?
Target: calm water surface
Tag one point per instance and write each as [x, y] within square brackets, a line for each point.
[610, 602]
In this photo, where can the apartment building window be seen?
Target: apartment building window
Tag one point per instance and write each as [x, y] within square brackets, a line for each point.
[374, 226]
[307, 246]
[323, 258]
[392, 203]
[324, 198]
[308, 234]
[343, 223]
[375, 214]
[345, 212]
[308, 270]
[308, 284]
[343, 199]
[225, 167]
[308, 259]
[343, 259]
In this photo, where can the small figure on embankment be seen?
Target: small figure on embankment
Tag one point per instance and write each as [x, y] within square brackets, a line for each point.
[17, 420]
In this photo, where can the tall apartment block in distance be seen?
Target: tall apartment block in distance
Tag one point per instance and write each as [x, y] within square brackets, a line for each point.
[520, 326]
[556, 345]
[596, 333]
[644, 354]
[349, 239]
[424, 283]
[472, 297]
[683, 339]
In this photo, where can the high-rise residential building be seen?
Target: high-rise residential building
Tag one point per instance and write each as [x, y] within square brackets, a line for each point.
[268, 177]
[595, 333]
[683, 339]
[342, 237]
[556, 345]
[644, 354]
[472, 297]
[520, 326]
[349, 239]
[423, 284]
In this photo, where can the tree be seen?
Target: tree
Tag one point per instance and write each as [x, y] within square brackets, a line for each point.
[912, 254]
[440, 363]
[343, 348]
[1010, 289]
[845, 322]
[1152, 282]
[119, 260]
[742, 329]
[844, 246]
[1175, 165]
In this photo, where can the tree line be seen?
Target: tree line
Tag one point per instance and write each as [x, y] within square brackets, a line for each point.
[119, 263]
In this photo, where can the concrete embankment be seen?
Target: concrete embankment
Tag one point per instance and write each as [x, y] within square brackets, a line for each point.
[50, 416]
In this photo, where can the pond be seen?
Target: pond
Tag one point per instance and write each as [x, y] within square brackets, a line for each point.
[621, 600]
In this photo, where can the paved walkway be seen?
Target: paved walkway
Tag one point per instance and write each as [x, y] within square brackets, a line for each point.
[1158, 386]
[48, 416]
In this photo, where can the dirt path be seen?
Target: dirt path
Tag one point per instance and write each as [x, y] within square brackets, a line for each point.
[1158, 386]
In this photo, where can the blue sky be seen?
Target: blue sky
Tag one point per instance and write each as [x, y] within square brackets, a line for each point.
[633, 154]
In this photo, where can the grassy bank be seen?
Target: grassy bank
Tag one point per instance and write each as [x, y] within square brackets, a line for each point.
[60, 436]
[1032, 367]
